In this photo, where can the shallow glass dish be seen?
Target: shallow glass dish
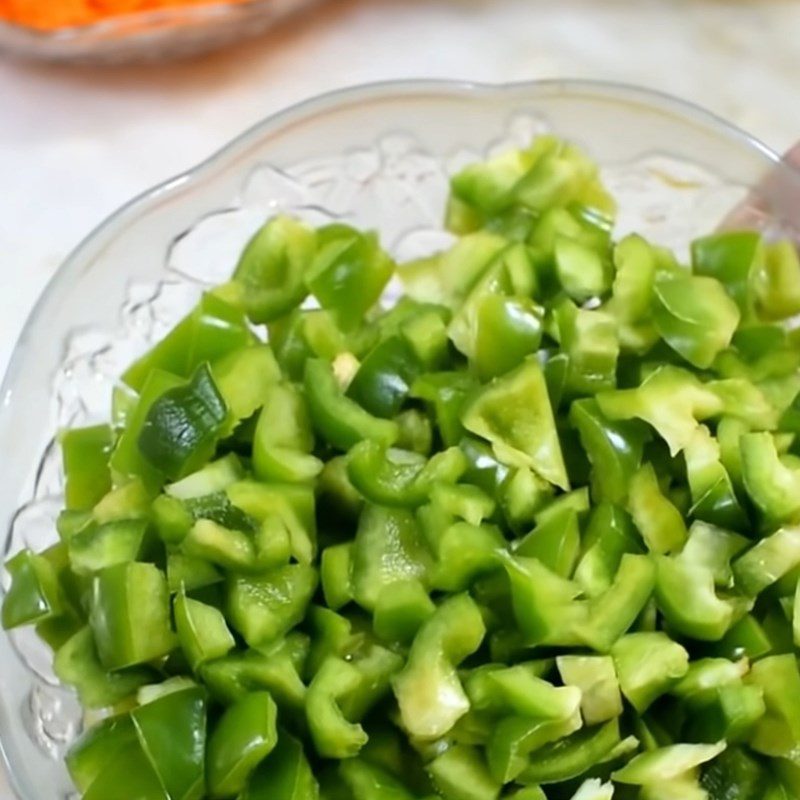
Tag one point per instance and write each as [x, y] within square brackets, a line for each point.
[165, 34]
[377, 156]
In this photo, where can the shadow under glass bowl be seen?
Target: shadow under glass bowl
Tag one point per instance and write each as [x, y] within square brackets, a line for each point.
[159, 35]
[377, 156]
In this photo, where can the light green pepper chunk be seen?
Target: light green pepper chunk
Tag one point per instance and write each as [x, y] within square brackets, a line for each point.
[428, 689]
[514, 414]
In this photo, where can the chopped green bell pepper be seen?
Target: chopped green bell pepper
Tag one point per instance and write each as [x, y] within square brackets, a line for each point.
[513, 413]
[428, 690]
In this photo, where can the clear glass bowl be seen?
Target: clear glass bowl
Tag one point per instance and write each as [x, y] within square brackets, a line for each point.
[161, 35]
[377, 156]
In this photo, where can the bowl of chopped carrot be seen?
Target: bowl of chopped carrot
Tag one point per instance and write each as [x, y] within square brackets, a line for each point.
[124, 31]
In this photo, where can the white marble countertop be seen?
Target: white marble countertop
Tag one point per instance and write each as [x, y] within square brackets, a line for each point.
[77, 143]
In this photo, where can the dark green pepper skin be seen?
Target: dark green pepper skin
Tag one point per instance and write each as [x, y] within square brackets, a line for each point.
[172, 733]
[614, 449]
[385, 377]
[182, 427]
[337, 418]
[284, 775]
[243, 737]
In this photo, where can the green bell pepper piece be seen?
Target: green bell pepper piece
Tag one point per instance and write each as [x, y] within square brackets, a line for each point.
[746, 638]
[337, 418]
[388, 547]
[141, 780]
[448, 277]
[704, 676]
[543, 602]
[182, 426]
[694, 315]
[735, 772]
[127, 460]
[648, 665]
[612, 613]
[666, 763]
[283, 438]
[659, 522]
[202, 631]
[670, 399]
[185, 572]
[734, 258]
[593, 789]
[292, 504]
[305, 334]
[172, 733]
[243, 378]
[463, 552]
[214, 477]
[636, 263]
[269, 278]
[555, 541]
[366, 781]
[596, 679]
[97, 747]
[777, 283]
[460, 773]
[506, 330]
[393, 477]
[614, 449]
[416, 431]
[685, 596]
[447, 394]
[130, 615]
[96, 547]
[243, 737]
[35, 594]
[589, 340]
[210, 331]
[773, 487]
[730, 714]
[77, 664]
[572, 756]
[560, 174]
[514, 738]
[284, 775]
[767, 561]
[425, 331]
[333, 735]
[385, 377]
[582, 271]
[428, 690]
[513, 413]
[609, 535]
[777, 733]
[263, 608]
[713, 497]
[522, 495]
[401, 609]
[348, 272]
[713, 548]
[336, 574]
[462, 501]
[275, 668]
[518, 690]
[224, 547]
[85, 454]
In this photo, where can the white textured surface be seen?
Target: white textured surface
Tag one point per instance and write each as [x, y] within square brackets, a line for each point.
[75, 144]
